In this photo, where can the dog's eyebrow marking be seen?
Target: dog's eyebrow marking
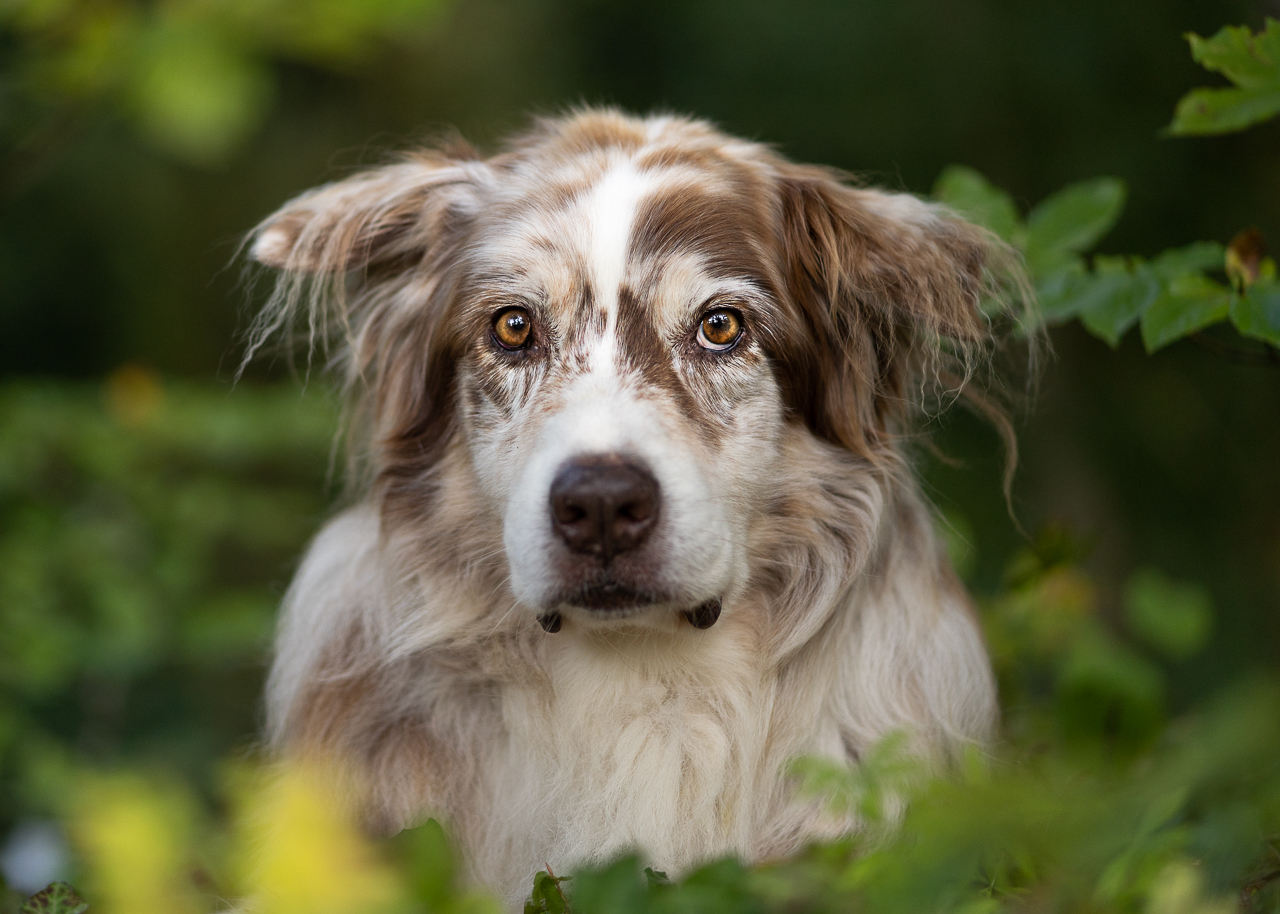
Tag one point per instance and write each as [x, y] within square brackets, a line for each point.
[721, 228]
[610, 214]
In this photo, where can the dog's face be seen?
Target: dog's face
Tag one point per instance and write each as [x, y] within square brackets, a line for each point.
[620, 319]
[618, 397]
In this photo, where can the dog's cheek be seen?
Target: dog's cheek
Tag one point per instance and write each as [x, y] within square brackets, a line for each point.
[493, 430]
[719, 477]
[746, 402]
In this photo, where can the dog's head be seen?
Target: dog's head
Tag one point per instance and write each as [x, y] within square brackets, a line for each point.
[619, 321]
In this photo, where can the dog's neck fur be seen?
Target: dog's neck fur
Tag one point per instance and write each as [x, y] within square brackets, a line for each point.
[570, 748]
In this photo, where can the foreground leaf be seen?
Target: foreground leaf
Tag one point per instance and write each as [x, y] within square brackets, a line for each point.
[135, 835]
[58, 898]
[1250, 61]
[547, 897]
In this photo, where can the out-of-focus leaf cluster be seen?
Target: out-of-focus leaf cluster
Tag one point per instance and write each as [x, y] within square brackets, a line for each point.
[1186, 826]
[287, 842]
[1170, 296]
[1252, 63]
[142, 526]
[1174, 294]
[194, 76]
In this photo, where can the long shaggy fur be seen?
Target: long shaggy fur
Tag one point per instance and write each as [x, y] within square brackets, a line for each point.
[409, 643]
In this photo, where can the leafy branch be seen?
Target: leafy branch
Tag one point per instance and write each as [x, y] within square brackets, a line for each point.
[1180, 292]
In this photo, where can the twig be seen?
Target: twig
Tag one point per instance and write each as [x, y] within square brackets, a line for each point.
[1250, 889]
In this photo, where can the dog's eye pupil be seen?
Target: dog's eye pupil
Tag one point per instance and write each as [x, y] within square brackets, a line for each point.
[720, 329]
[512, 327]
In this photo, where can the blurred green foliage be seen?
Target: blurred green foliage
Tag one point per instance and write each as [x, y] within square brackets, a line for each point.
[1170, 296]
[194, 76]
[146, 534]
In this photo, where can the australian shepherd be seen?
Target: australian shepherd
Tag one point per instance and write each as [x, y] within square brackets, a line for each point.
[639, 526]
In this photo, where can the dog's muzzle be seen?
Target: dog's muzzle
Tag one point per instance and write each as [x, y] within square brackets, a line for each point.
[603, 506]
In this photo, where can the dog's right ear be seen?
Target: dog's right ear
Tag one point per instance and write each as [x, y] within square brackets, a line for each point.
[387, 214]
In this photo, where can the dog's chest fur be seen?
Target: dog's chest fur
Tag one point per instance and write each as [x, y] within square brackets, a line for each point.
[633, 742]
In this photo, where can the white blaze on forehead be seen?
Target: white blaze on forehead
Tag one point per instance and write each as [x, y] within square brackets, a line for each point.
[610, 212]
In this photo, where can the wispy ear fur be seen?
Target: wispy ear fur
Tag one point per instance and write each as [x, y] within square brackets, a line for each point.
[905, 303]
[368, 267]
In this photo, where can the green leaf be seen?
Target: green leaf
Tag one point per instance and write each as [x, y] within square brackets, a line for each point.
[58, 898]
[1071, 221]
[429, 863]
[1172, 617]
[1191, 303]
[618, 888]
[547, 896]
[1205, 112]
[1117, 298]
[1059, 293]
[1256, 314]
[967, 192]
[1193, 258]
[1250, 61]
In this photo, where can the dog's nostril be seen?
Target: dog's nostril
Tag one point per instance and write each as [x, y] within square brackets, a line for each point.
[604, 505]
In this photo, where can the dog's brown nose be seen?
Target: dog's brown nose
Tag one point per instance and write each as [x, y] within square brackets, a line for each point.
[604, 505]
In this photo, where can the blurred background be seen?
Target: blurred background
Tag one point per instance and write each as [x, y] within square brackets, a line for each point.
[151, 512]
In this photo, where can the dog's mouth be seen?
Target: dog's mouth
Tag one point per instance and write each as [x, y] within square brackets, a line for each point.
[615, 600]
[611, 598]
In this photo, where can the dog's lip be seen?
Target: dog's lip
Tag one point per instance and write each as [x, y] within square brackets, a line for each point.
[610, 597]
[616, 600]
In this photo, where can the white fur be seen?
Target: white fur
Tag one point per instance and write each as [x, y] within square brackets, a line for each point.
[609, 215]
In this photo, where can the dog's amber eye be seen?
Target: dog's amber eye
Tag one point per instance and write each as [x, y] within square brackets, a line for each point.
[511, 328]
[720, 330]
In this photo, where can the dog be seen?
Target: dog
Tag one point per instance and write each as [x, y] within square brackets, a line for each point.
[638, 524]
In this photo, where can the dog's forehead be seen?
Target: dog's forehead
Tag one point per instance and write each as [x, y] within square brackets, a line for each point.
[619, 233]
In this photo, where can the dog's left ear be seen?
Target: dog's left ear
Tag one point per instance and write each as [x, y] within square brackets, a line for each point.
[366, 262]
[890, 289]
[381, 215]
